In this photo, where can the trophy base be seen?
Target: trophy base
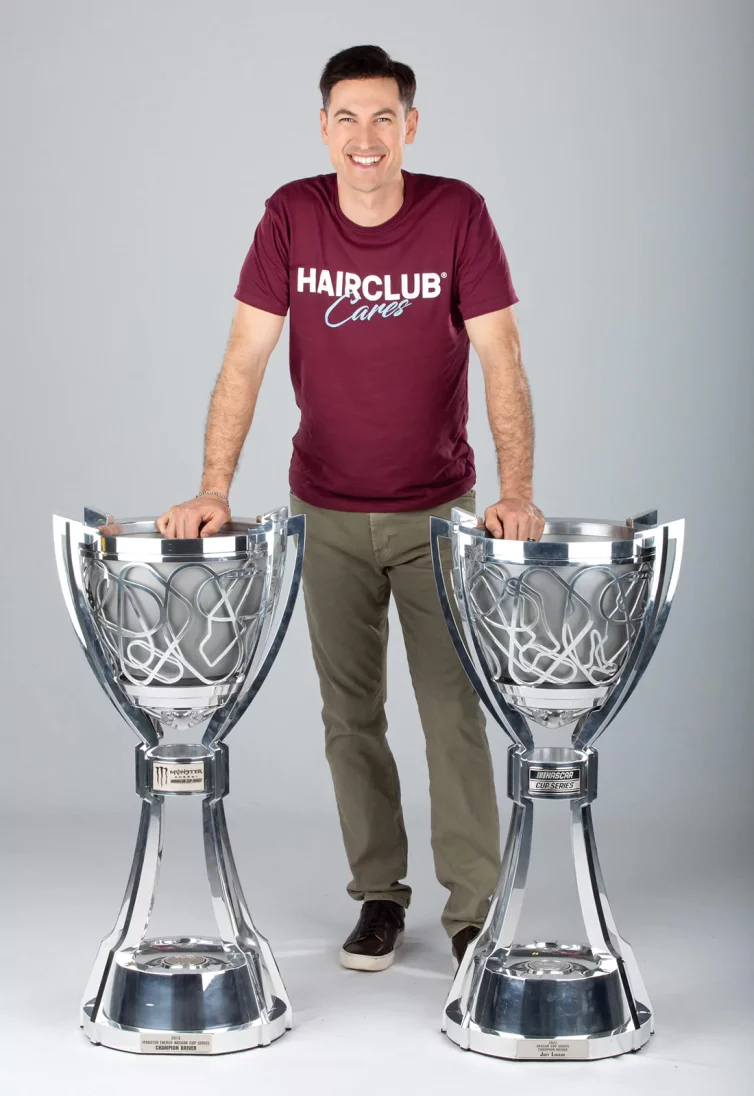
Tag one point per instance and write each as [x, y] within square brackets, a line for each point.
[551, 1002]
[185, 995]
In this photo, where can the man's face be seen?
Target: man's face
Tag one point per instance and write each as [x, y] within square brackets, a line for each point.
[365, 129]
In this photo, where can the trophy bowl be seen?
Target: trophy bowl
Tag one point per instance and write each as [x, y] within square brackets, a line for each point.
[555, 627]
[181, 620]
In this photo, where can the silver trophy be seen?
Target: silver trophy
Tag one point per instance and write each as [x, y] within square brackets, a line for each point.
[181, 634]
[554, 636]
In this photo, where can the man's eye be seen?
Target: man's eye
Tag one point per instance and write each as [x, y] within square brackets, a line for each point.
[385, 119]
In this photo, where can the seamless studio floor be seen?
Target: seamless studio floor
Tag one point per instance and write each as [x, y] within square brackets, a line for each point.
[353, 1033]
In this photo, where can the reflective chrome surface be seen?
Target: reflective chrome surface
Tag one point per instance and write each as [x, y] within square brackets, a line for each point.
[553, 619]
[554, 635]
[548, 990]
[185, 984]
[180, 634]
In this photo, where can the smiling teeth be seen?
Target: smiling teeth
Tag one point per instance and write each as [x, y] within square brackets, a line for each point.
[366, 159]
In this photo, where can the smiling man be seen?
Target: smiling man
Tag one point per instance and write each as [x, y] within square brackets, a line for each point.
[388, 276]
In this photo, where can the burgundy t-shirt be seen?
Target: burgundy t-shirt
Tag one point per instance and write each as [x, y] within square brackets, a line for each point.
[378, 349]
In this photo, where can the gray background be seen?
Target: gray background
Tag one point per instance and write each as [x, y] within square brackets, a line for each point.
[613, 143]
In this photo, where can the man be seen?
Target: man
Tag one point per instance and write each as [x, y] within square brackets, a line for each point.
[387, 275]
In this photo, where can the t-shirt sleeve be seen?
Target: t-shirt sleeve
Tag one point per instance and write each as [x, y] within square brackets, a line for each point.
[263, 281]
[483, 279]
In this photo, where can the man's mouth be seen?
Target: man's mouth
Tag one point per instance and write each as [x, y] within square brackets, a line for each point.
[364, 161]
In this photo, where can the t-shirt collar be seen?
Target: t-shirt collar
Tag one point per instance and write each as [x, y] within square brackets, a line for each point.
[386, 226]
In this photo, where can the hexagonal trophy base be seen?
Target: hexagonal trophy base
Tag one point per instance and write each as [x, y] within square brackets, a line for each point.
[184, 995]
[549, 1001]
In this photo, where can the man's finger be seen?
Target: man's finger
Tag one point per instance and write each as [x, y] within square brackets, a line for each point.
[191, 524]
[525, 526]
[492, 521]
[216, 522]
[510, 524]
[162, 521]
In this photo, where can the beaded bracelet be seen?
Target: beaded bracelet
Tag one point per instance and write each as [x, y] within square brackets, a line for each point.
[219, 494]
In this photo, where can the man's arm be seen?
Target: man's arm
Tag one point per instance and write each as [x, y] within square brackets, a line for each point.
[495, 338]
[253, 336]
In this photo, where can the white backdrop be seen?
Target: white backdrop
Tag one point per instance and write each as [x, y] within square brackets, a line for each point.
[613, 144]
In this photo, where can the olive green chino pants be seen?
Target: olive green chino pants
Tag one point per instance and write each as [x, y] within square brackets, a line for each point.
[352, 564]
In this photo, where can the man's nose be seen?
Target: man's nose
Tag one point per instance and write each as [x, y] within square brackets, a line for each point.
[366, 140]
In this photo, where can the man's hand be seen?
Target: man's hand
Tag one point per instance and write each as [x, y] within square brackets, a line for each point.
[199, 517]
[515, 519]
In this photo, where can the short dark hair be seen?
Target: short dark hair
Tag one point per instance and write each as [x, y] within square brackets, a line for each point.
[364, 63]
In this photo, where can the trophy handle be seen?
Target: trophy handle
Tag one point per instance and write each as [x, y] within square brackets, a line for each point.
[668, 544]
[226, 718]
[645, 518]
[95, 518]
[275, 517]
[510, 720]
[69, 536]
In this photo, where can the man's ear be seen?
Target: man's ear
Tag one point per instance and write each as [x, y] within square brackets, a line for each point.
[323, 125]
[412, 121]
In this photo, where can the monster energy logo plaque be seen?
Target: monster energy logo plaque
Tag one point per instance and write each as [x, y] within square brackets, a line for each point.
[175, 776]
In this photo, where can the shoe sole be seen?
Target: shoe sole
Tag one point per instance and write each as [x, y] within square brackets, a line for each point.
[369, 962]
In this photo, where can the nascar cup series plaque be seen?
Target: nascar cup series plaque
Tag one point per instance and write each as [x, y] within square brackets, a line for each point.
[554, 636]
[180, 635]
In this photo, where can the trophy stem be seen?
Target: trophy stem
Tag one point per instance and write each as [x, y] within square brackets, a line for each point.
[135, 910]
[505, 908]
[499, 927]
[233, 917]
[599, 922]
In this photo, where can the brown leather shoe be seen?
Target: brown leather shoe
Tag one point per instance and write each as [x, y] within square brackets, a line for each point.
[379, 931]
[461, 941]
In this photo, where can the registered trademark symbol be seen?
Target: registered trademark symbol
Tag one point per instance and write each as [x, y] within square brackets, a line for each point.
[443, 275]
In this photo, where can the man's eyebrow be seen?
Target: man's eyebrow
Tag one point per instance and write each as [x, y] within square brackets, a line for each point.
[376, 114]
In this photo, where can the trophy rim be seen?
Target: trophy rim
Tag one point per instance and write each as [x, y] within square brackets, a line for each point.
[137, 539]
[611, 541]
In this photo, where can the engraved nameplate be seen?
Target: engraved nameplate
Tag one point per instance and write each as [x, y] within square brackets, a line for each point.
[167, 776]
[172, 1043]
[555, 781]
[554, 1049]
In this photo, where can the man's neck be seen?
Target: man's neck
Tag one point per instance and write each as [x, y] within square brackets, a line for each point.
[371, 209]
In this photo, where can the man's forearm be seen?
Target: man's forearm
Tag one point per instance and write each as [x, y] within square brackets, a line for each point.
[511, 421]
[230, 414]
